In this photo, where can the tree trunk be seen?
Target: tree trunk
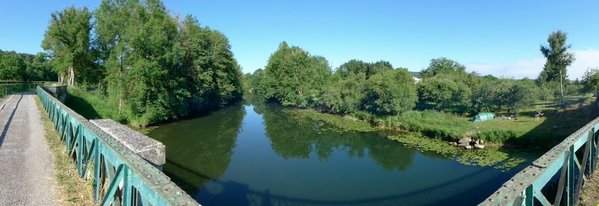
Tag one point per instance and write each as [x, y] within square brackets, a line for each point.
[71, 77]
[61, 78]
[561, 90]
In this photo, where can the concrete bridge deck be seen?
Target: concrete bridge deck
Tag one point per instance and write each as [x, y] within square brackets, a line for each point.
[26, 167]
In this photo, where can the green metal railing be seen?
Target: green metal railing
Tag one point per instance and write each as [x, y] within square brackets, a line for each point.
[556, 177]
[120, 177]
[7, 88]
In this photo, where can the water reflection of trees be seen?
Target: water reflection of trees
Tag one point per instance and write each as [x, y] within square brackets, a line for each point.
[298, 138]
[191, 162]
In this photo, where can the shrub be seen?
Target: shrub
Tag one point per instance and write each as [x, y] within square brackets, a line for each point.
[497, 136]
[430, 123]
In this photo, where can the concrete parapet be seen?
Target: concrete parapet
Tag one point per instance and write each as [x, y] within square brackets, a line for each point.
[57, 91]
[151, 150]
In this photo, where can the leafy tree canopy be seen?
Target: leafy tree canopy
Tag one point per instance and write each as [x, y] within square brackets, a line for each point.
[67, 40]
[293, 77]
[443, 66]
[390, 92]
[558, 58]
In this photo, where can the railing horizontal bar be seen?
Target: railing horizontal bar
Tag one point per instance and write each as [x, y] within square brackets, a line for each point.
[549, 172]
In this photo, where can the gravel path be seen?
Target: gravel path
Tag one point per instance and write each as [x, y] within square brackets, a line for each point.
[26, 168]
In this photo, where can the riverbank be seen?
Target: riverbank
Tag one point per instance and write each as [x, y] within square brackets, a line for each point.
[92, 104]
[510, 142]
[431, 131]
[494, 156]
[526, 132]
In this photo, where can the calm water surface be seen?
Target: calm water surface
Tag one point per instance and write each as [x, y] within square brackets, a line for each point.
[247, 155]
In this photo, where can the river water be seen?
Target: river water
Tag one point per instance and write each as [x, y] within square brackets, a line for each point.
[250, 155]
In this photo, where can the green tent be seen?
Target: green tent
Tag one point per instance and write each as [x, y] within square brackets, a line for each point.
[483, 116]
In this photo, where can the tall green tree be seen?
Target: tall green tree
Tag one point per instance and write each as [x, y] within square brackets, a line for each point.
[251, 82]
[40, 68]
[67, 40]
[443, 90]
[357, 66]
[210, 72]
[446, 83]
[558, 59]
[390, 92]
[12, 66]
[159, 67]
[136, 41]
[443, 66]
[343, 94]
[293, 77]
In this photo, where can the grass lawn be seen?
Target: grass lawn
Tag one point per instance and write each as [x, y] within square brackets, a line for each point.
[545, 132]
[91, 105]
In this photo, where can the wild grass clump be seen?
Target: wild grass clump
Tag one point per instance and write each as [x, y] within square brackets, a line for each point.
[497, 136]
[93, 105]
[430, 123]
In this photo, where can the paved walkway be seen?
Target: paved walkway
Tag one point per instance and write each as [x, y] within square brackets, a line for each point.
[26, 168]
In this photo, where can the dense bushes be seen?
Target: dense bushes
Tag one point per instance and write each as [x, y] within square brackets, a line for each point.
[385, 96]
[446, 85]
[497, 136]
[26, 67]
[495, 95]
[295, 78]
[389, 92]
[443, 91]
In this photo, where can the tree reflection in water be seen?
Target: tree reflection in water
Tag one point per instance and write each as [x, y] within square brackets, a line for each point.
[200, 149]
[298, 138]
[214, 159]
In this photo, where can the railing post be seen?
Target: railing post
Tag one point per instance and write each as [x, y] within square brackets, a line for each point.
[126, 196]
[562, 179]
[570, 181]
[582, 171]
[593, 151]
[97, 170]
[80, 150]
[529, 198]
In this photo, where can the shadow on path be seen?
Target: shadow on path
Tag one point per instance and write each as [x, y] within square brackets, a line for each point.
[8, 122]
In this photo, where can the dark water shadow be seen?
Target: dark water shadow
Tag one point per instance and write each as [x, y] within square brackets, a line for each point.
[235, 193]
[9, 121]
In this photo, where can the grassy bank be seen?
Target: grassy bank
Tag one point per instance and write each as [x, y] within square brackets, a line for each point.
[525, 132]
[512, 141]
[91, 105]
[501, 158]
[72, 190]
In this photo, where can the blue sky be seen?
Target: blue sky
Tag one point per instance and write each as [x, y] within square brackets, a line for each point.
[491, 37]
